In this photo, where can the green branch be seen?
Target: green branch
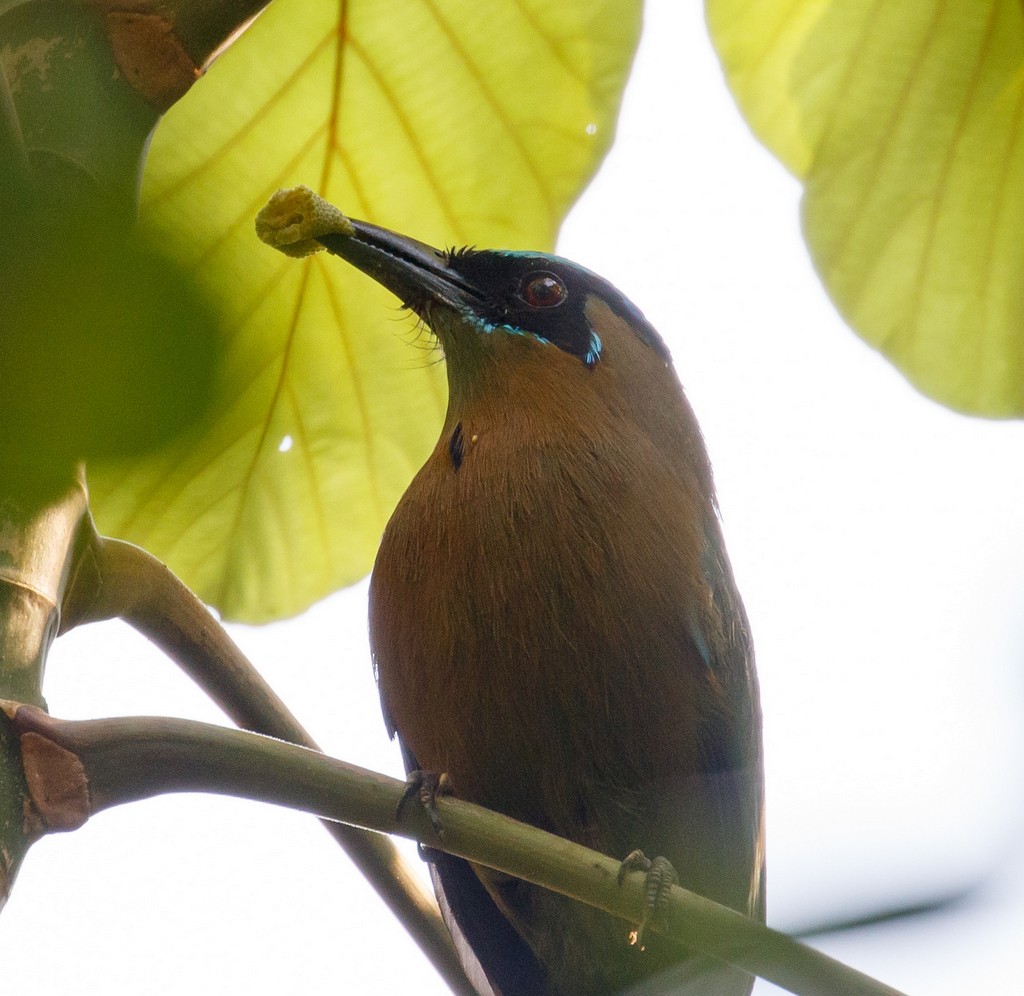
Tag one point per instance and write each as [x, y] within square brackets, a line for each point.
[101, 763]
[42, 533]
[125, 581]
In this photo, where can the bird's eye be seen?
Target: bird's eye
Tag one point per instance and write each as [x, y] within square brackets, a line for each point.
[542, 290]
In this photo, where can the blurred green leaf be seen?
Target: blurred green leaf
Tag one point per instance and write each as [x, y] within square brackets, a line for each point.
[456, 122]
[106, 347]
[83, 126]
[904, 121]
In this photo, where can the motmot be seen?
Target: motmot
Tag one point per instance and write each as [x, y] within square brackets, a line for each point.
[554, 622]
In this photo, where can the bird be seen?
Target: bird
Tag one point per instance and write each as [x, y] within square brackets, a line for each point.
[554, 622]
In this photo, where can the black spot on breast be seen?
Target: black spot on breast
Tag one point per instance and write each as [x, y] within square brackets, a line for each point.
[455, 446]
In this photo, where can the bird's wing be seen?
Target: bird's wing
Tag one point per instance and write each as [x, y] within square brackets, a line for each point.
[496, 959]
[731, 744]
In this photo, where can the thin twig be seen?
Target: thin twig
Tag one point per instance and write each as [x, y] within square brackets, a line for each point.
[124, 580]
[115, 761]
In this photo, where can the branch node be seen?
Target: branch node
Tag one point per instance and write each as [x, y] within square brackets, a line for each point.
[57, 784]
[150, 56]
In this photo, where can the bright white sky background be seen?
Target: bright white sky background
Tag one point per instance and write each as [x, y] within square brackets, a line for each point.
[878, 541]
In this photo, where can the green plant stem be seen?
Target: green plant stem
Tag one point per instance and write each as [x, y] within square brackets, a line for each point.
[126, 581]
[40, 535]
[44, 526]
[124, 760]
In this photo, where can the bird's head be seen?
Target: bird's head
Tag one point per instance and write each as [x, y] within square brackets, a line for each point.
[489, 308]
[537, 344]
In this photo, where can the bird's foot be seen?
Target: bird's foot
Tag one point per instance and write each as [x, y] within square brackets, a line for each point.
[661, 876]
[425, 786]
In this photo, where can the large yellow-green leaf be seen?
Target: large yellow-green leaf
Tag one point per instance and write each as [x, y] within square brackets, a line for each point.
[454, 121]
[904, 120]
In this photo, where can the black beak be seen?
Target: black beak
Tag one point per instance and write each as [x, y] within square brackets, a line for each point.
[416, 273]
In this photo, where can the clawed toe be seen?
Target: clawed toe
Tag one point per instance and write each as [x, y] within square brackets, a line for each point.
[661, 876]
[425, 786]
